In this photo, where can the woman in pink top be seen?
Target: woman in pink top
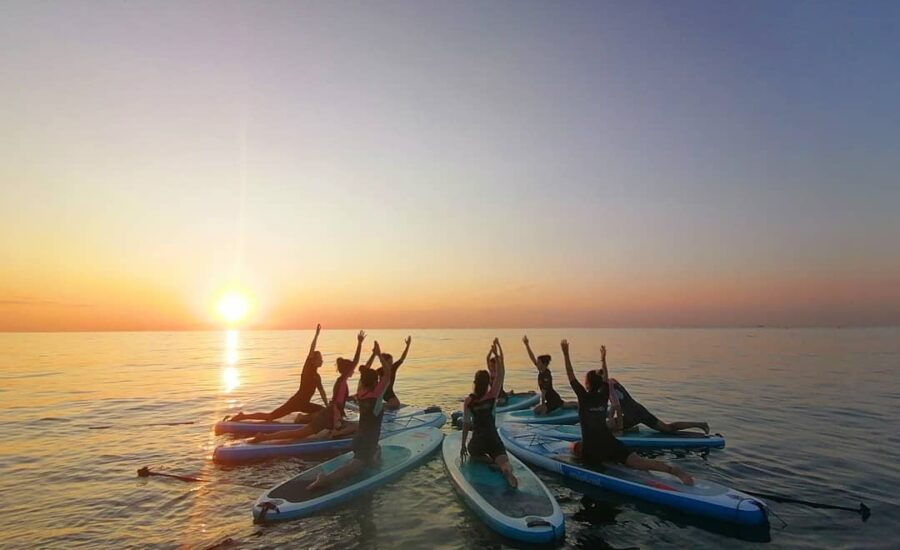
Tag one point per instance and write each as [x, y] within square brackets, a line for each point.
[331, 419]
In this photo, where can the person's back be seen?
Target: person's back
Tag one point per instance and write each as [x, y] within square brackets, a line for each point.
[482, 411]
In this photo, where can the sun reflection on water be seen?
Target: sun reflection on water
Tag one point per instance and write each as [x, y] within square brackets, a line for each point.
[230, 376]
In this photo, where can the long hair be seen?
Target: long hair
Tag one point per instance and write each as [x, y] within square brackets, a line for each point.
[368, 379]
[593, 380]
[344, 366]
[482, 383]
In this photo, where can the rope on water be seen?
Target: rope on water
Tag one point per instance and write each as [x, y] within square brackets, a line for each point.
[146, 472]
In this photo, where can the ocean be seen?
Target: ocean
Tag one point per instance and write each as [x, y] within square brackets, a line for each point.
[808, 413]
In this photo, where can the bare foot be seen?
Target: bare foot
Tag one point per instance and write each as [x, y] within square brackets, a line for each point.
[682, 475]
[318, 484]
[511, 479]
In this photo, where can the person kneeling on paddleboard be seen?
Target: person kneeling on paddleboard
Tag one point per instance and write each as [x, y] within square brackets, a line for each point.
[300, 402]
[550, 399]
[366, 451]
[478, 416]
[329, 422]
[633, 413]
[598, 444]
[391, 401]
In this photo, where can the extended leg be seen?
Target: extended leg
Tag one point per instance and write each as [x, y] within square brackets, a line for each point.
[640, 463]
[672, 427]
[348, 470]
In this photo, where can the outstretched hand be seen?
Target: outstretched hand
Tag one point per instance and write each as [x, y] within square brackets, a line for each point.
[525, 339]
[376, 349]
[565, 347]
[603, 353]
[408, 341]
[318, 328]
[361, 336]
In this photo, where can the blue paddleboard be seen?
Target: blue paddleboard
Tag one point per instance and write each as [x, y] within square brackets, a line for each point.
[399, 453]
[705, 498]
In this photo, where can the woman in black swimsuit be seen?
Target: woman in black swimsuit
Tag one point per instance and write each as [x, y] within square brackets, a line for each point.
[329, 422]
[550, 399]
[300, 401]
[366, 451]
[633, 413]
[391, 401]
[478, 417]
[598, 444]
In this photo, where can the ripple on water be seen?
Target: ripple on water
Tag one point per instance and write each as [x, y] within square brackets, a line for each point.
[792, 427]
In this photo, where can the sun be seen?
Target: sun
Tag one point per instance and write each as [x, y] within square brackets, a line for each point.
[233, 306]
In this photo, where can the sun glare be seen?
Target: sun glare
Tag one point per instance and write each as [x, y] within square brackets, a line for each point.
[233, 307]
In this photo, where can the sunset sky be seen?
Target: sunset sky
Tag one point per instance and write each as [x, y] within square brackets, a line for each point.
[449, 164]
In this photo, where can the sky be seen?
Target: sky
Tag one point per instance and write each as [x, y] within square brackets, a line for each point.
[449, 164]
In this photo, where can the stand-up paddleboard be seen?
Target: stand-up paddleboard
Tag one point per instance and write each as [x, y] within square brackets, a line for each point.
[528, 513]
[558, 416]
[354, 406]
[250, 427]
[638, 439]
[704, 498]
[399, 453]
[514, 402]
[242, 451]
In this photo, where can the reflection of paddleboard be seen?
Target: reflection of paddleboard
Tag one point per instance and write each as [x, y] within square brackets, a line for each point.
[639, 439]
[704, 498]
[528, 513]
[241, 451]
[399, 453]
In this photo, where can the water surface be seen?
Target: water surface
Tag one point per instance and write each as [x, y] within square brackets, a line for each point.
[808, 413]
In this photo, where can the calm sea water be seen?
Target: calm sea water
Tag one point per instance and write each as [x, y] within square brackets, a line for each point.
[807, 413]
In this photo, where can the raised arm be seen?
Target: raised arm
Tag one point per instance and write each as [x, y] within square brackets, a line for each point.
[528, 349]
[604, 369]
[616, 418]
[570, 371]
[499, 372]
[371, 359]
[312, 347]
[385, 376]
[404, 354]
[359, 340]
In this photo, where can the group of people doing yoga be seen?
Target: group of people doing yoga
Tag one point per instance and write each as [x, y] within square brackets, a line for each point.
[605, 408]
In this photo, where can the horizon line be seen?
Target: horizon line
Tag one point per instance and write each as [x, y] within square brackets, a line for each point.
[668, 327]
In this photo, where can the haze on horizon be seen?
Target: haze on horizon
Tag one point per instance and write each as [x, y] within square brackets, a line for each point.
[425, 164]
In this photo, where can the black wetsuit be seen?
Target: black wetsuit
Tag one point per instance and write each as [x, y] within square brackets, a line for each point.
[389, 392]
[365, 442]
[300, 401]
[485, 439]
[598, 444]
[549, 397]
[633, 412]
